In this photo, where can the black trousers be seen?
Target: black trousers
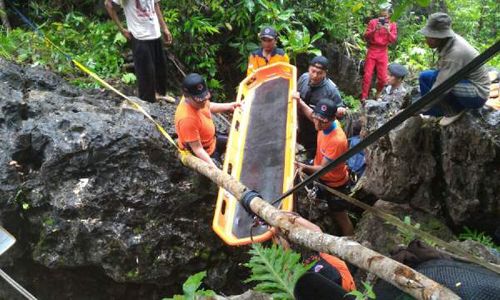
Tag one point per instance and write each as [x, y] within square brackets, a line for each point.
[150, 68]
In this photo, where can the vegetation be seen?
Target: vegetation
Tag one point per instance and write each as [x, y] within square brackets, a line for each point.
[191, 288]
[215, 35]
[276, 270]
[366, 294]
[480, 237]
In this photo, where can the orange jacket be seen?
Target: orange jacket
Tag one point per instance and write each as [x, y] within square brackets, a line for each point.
[257, 59]
[347, 280]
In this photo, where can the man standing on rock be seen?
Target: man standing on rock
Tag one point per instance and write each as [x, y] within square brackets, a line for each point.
[193, 121]
[331, 143]
[379, 34]
[313, 86]
[145, 25]
[454, 53]
[269, 53]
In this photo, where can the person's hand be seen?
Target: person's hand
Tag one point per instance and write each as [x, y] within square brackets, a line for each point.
[386, 26]
[127, 34]
[296, 96]
[234, 105]
[378, 26]
[167, 36]
[341, 112]
[299, 166]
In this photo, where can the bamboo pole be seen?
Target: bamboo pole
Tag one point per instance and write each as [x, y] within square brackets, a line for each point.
[399, 275]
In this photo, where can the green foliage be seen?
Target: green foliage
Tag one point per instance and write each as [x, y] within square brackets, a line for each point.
[276, 270]
[480, 237]
[406, 234]
[129, 78]
[191, 290]
[95, 44]
[366, 294]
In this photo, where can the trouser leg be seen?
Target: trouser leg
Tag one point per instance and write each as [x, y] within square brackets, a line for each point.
[144, 69]
[367, 78]
[160, 68]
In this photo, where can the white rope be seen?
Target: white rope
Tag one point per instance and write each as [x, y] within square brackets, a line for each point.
[17, 286]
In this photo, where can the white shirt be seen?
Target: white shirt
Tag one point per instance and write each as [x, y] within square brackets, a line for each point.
[142, 20]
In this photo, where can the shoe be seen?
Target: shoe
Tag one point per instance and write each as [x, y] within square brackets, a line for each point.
[445, 121]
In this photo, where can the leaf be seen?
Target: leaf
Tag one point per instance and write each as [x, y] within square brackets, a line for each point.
[423, 3]
[119, 39]
[275, 270]
[129, 78]
[357, 7]
[192, 284]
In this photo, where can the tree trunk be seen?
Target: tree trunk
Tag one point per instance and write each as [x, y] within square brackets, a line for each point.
[399, 275]
[4, 17]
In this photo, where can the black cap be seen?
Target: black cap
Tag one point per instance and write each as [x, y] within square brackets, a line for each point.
[325, 108]
[195, 86]
[320, 62]
[398, 70]
[268, 32]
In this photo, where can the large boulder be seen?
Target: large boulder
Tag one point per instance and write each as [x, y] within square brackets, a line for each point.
[449, 171]
[89, 185]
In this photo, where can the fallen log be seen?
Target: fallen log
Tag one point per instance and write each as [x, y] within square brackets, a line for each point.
[399, 275]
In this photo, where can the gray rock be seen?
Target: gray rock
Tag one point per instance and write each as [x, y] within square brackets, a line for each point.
[384, 237]
[448, 171]
[87, 183]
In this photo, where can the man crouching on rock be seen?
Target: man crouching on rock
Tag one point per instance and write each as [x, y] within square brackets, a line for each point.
[193, 121]
[331, 143]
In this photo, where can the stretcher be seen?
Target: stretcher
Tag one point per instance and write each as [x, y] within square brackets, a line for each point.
[260, 151]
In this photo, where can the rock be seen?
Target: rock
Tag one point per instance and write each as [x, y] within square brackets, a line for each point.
[479, 250]
[384, 238]
[248, 295]
[89, 184]
[449, 171]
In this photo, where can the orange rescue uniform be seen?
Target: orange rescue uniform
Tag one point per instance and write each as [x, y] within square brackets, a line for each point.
[257, 60]
[193, 125]
[331, 146]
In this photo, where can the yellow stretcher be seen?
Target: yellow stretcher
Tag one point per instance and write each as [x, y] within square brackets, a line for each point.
[260, 151]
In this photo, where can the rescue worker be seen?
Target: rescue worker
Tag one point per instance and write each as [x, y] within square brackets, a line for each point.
[269, 53]
[329, 278]
[193, 121]
[454, 53]
[331, 143]
[379, 34]
[313, 86]
[145, 25]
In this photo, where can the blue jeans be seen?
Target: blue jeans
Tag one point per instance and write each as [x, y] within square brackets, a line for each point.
[451, 100]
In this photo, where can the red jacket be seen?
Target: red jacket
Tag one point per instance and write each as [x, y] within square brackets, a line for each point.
[380, 38]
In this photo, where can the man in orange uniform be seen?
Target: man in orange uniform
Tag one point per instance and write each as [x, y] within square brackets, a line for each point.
[268, 53]
[331, 143]
[193, 120]
[381, 32]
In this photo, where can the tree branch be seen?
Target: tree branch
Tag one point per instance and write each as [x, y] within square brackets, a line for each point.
[399, 275]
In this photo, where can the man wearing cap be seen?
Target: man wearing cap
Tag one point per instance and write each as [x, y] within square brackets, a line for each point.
[395, 90]
[269, 53]
[331, 143]
[145, 25]
[454, 52]
[193, 120]
[379, 34]
[311, 87]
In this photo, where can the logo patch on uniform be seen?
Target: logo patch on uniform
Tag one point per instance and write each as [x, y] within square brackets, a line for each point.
[318, 268]
[267, 30]
[199, 87]
[323, 107]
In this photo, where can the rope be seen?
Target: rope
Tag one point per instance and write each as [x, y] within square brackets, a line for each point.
[17, 286]
[430, 98]
[395, 221]
[99, 80]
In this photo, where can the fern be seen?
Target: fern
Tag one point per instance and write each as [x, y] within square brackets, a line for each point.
[276, 270]
[480, 237]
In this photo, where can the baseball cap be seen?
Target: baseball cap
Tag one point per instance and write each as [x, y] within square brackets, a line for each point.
[195, 86]
[268, 32]
[320, 62]
[325, 108]
[398, 70]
